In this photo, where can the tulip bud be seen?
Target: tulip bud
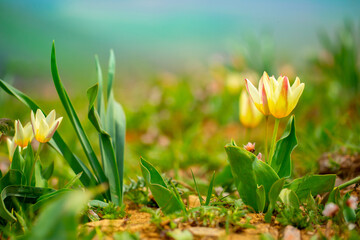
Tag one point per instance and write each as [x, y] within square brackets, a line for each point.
[249, 116]
[23, 135]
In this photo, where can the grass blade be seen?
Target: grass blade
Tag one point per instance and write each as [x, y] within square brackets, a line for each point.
[197, 189]
[64, 98]
[210, 190]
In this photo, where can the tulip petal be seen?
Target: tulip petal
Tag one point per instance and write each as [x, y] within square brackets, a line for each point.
[294, 97]
[39, 116]
[50, 119]
[33, 122]
[53, 128]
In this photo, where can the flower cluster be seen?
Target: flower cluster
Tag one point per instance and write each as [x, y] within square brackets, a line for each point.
[41, 127]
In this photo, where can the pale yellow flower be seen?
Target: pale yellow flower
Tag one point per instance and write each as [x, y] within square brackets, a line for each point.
[258, 96]
[11, 148]
[234, 82]
[44, 128]
[249, 116]
[282, 98]
[23, 135]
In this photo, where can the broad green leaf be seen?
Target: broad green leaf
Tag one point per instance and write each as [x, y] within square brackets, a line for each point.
[289, 198]
[164, 197]
[39, 180]
[197, 189]
[241, 163]
[17, 162]
[74, 119]
[108, 154]
[57, 142]
[249, 172]
[29, 161]
[261, 198]
[314, 184]
[273, 196]
[281, 161]
[44, 199]
[210, 190]
[59, 219]
[26, 193]
[264, 175]
[334, 196]
[47, 172]
[12, 177]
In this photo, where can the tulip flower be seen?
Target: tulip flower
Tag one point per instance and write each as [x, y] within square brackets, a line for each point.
[44, 128]
[23, 135]
[11, 148]
[259, 96]
[233, 83]
[249, 116]
[282, 98]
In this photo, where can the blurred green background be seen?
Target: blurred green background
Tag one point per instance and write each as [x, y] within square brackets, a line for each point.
[174, 60]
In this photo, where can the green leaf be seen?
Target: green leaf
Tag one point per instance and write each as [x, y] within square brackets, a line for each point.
[210, 190]
[289, 198]
[197, 189]
[39, 180]
[60, 218]
[261, 198]
[273, 196]
[45, 198]
[57, 142]
[314, 184]
[164, 197]
[12, 177]
[17, 162]
[111, 73]
[26, 193]
[349, 213]
[281, 161]
[73, 181]
[108, 154]
[249, 172]
[74, 119]
[48, 171]
[29, 161]
[241, 163]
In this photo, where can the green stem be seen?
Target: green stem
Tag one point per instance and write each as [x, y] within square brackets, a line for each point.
[276, 127]
[35, 159]
[348, 183]
[266, 137]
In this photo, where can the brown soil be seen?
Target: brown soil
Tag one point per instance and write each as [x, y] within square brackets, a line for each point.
[141, 222]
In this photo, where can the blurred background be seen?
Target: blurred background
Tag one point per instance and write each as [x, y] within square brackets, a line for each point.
[181, 67]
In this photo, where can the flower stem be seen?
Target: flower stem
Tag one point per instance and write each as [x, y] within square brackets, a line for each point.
[276, 127]
[35, 159]
[266, 137]
[348, 183]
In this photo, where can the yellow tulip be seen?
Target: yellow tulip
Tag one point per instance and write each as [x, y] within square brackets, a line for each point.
[233, 82]
[23, 135]
[44, 128]
[282, 98]
[249, 116]
[11, 148]
[259, 96]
